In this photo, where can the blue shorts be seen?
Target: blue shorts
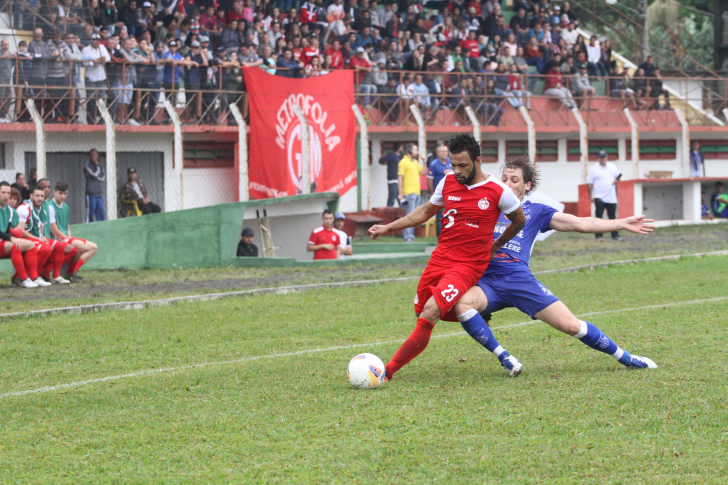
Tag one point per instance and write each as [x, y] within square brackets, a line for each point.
[516, 289]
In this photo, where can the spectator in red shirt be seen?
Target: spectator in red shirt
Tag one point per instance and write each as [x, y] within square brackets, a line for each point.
[470, 46]
[208, 22]
[311, 51]
[235, 13]
[362, 68]
[337, 59]
[324, 241]
[308, 13]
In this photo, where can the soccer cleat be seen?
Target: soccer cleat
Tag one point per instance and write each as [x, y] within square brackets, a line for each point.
[28, 283]
[60, 281]
[40, 282]
[641, 363]
[512, 365]
[74, 278]
[15, 281]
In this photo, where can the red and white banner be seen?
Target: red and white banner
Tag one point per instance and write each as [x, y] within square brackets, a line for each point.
[275, 133]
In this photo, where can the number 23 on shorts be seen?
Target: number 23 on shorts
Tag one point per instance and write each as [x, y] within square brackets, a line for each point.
[450, 293]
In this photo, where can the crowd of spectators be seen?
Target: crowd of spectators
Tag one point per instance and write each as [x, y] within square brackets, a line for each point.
[449, 53]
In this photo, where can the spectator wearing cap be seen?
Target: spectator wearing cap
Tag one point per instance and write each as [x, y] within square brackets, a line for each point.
[95, 56]
[246, 248]
[171, 60]
[134, 189]
[144, 18]
[555, 17]
[345, 248]
[195, 72]
[582, 88]
[601, 181]
[362, 67]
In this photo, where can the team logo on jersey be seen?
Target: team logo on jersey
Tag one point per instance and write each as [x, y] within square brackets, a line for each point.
[289, 136]
[483, 203]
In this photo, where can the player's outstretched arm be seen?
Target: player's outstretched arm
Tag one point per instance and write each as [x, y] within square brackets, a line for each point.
[418, 216]
[568, 223]
[518, 220]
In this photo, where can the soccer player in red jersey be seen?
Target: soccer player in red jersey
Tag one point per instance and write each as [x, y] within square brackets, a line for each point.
[324, 241]
[473, 201]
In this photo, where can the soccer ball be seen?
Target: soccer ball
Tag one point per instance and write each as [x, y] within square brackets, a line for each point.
[365, 371]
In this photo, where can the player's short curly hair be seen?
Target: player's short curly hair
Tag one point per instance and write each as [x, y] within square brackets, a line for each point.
[524, 164]
[464, 143]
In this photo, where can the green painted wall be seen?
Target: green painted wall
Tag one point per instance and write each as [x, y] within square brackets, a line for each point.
[207, 236]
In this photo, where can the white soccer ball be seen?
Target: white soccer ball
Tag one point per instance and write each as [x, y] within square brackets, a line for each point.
[366, 371]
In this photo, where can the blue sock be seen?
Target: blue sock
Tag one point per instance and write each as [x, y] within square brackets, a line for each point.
[476, 327]
[595, 338]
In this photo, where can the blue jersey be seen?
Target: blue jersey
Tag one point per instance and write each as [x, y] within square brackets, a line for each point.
[517, 251]
[436, 171]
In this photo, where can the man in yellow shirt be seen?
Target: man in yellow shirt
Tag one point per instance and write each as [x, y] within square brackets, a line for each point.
[408, 182]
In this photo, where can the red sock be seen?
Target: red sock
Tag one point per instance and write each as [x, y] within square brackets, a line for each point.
[412, 347]
[16, 256]
[44, 256]
[59, 257]
[72, 269]
[31, 263]
[71, 254]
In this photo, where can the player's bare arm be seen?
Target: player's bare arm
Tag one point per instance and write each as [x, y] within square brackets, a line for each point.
[26, 235]
[568, 223]
[518, 220]
[418, 216]
[315, 247]
[57, 234]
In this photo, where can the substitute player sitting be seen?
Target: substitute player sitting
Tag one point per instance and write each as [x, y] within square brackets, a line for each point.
[508, 282]
[59, 215]
[473, 201]
[35, 225]
[12, 246]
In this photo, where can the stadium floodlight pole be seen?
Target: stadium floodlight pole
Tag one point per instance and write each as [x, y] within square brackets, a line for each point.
[531, 134]
[364, 159]
[243, 185]
[305, 151]
[635, 143]
[583, 141]
[40, 148]
[474, 120]
[685, 140]
[110, 160]
[178, 151]
[421, 135]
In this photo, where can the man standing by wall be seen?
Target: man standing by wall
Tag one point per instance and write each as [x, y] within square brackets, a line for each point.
[601, 181]
[95, 177]
[697, 160]
[246, 248]
[345, 248]
[391, 160]
[408, 182]
[324, 241]
[439, 167]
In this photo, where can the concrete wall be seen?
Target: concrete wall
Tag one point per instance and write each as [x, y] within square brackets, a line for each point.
[206, 236]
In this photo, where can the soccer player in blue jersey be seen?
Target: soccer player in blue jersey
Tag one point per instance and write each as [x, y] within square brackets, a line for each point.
[508, 282]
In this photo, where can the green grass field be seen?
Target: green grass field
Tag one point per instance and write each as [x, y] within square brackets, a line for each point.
[255, 390]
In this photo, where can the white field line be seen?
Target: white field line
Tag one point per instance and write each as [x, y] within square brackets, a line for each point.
[171, 370]
[138, 305]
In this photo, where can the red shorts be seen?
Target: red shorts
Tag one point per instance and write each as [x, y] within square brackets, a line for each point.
[69, 240]
[3, 254]
[447, 282]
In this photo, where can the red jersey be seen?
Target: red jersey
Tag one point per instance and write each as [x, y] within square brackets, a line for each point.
[469, 218]
[514, 80]
[470, 46]
[337, 59]
[309, 53]
[321, 235]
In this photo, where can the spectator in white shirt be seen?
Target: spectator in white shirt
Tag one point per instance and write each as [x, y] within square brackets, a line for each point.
[95, 56]
[569, 34]
[594, 56]
[345, 248]
[419, 93]
[602, 184]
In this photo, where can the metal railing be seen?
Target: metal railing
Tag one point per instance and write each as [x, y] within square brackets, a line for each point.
[136, 93]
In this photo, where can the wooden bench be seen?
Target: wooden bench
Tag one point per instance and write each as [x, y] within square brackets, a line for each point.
[363, 223]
